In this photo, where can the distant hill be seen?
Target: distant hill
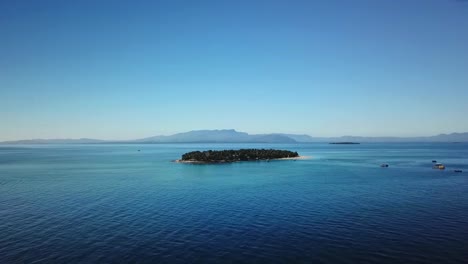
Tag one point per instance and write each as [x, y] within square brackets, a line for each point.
[453, 137]
[55, 141]
[298, 138]
[233, 136]
[220, 136]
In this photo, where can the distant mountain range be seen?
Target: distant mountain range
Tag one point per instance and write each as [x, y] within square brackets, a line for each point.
[233, 136]
[221, 136]
[55, 141]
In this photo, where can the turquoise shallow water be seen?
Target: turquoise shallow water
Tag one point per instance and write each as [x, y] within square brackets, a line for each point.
[115, 204]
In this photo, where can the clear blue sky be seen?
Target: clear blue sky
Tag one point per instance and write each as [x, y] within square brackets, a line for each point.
[129, 69]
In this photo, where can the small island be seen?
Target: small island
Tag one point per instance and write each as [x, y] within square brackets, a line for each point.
[344, 143]
[225, 156]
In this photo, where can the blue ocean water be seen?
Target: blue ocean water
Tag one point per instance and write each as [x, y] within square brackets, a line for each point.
[129, 204]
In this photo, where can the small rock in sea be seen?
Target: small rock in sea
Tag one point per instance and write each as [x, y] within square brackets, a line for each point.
[384, 165]
[458, 171]
[434, 161]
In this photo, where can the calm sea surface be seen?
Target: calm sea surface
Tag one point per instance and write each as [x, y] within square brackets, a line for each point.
[115, 204]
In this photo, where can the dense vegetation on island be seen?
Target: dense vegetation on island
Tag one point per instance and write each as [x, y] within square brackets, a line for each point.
[212, 156]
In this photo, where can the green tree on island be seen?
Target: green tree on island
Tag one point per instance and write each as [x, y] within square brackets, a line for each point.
[237, 155]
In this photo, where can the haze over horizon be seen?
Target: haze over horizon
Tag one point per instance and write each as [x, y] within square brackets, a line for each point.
[235, 136]
[125, 70]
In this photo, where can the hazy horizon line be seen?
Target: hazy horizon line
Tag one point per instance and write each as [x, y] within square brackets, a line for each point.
[195, 130]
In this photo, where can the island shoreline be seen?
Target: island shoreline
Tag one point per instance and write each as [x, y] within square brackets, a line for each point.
[227, 162]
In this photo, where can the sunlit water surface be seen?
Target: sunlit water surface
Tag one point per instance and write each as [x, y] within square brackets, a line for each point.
[112, 203]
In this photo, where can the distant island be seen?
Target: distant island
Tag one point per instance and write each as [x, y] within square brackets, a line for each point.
[224, 156]
[344, 143]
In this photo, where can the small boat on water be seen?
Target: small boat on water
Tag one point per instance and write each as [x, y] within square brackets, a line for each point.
[384, 165]
[434, 161]
[458, 171]
[439, 166]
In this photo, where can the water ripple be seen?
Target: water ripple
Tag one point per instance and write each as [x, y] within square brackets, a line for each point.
[107, 204]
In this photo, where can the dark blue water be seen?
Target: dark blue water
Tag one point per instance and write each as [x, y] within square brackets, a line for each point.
[115, 204]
